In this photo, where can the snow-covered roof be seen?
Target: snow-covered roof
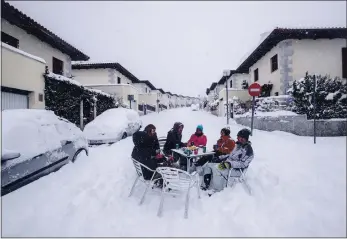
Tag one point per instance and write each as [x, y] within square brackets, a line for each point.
[11, 48]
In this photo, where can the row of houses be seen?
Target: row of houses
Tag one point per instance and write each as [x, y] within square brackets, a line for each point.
[28, 48]
[284, 55]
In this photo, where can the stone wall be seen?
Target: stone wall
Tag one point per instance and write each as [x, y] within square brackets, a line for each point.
[297, 124]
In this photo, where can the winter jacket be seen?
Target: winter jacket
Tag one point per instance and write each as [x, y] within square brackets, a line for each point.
[225, 145]
[145, 147]
[173, 138]
[198, 140]
[241, 156]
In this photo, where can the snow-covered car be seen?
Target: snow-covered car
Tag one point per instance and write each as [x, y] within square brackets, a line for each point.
[112, 126]
[36, 143]
[194, 107]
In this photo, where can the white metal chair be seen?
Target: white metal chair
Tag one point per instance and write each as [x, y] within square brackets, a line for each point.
[162, 141]
[148, 183]
[237, 175]
[176, 181]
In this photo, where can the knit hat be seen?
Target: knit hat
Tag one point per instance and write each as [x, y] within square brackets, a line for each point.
[226, 131]
[244, 133]
[200, 127]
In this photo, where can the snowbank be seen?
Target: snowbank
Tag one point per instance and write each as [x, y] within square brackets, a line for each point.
[32, 132]
[111, 124]
[11, 48]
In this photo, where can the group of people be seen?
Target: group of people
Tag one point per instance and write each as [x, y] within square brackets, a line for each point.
[214, 169]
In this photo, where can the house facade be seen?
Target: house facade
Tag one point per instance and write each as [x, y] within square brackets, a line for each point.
[287, 54]
[30, 47]
[111, 78]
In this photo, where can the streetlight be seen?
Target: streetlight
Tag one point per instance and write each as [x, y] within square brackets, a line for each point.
[225, 74]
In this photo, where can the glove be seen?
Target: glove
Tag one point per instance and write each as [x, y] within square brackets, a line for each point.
[159, 156]
[171, 158]
[223, 165]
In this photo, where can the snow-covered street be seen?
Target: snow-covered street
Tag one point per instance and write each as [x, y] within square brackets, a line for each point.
[299, 190]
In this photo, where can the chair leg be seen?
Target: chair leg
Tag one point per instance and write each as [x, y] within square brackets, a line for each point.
[133, 187]
[144, 193]
[186, 208]
[160, 209]
[198, 186]
[248, 188]
[232, 184]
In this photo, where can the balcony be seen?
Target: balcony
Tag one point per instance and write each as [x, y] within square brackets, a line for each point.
[23, 71]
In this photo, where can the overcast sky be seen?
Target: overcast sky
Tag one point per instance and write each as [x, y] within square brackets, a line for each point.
[181, 47]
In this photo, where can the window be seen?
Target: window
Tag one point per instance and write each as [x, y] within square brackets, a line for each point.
[41, 97]
[10, 40]
[58, 66]
[231, 84]
[256, 75]
[119, 80]
[274, 63]
[344, 62]
[146, 90]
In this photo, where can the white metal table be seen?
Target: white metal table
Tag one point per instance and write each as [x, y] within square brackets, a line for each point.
[192, 155]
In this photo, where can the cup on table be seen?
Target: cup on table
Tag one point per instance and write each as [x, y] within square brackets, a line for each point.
[177, 146]
[204, 149]
[215, 147]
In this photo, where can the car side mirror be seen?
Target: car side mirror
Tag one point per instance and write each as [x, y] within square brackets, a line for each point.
[9, 156]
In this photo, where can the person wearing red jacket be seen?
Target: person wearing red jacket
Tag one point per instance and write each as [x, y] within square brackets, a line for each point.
[198, 138]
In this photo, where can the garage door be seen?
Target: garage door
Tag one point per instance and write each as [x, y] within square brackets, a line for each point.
[13, 101]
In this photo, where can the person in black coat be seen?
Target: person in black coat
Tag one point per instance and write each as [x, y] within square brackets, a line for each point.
[174, 136]
[146, 150]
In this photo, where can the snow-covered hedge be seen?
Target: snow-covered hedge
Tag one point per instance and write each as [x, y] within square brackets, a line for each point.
[331, 97]
[63, 96]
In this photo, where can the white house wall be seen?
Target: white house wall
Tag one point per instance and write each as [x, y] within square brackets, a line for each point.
[238, 79]
[91, 76]
[22, 72]
[264, 70]
[34, 46]
[99, 76]
[321, 56]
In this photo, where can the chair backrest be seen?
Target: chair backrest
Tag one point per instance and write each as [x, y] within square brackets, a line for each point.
[162, 141]
[174, 178]
[138, 167]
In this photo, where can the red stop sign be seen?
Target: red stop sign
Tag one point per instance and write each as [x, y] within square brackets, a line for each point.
[254, 89]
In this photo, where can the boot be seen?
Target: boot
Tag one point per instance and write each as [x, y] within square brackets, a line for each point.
[207, 181]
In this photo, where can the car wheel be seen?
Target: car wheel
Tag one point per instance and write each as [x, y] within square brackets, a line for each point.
[124, 135]
[81, 153]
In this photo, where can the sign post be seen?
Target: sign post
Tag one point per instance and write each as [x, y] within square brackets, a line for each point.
[314, 108]
[253, 90]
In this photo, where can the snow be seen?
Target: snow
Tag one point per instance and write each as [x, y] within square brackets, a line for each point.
[11, 48]
[31, 132]
[268, 114]
[111, 124]
[299, 190]
[64, 78]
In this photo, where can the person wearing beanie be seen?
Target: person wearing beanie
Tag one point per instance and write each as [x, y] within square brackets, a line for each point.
[224, 146]
[215, 174]
[198, 138]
